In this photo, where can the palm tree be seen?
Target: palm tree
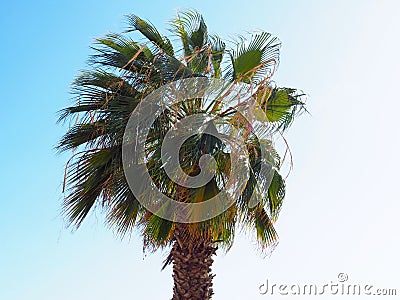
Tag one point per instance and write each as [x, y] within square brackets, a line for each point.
[121, 73]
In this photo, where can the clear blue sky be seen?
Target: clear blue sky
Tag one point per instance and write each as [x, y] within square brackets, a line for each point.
[342, 205]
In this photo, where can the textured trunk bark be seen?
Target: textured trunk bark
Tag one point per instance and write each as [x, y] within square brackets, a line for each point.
[192, 262]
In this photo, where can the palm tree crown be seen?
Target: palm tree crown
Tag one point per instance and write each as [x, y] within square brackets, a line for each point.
[122, 72]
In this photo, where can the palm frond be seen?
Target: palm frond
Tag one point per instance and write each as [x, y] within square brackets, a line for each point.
[88, 179]
[124, 208]
[281, 105]
[266, 234]
[190, 27]
[150, 32]
[217, 54]
[253, 60]
[117, 51]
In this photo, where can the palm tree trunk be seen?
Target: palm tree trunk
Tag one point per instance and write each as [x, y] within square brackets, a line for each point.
[192, 262]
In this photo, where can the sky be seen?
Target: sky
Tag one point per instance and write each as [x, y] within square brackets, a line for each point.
[341, 210]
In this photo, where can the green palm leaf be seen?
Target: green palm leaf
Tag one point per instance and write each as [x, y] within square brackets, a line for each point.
[255, 59]
[151, 33]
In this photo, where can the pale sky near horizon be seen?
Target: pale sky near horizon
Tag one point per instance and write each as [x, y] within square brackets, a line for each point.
[341, 210]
